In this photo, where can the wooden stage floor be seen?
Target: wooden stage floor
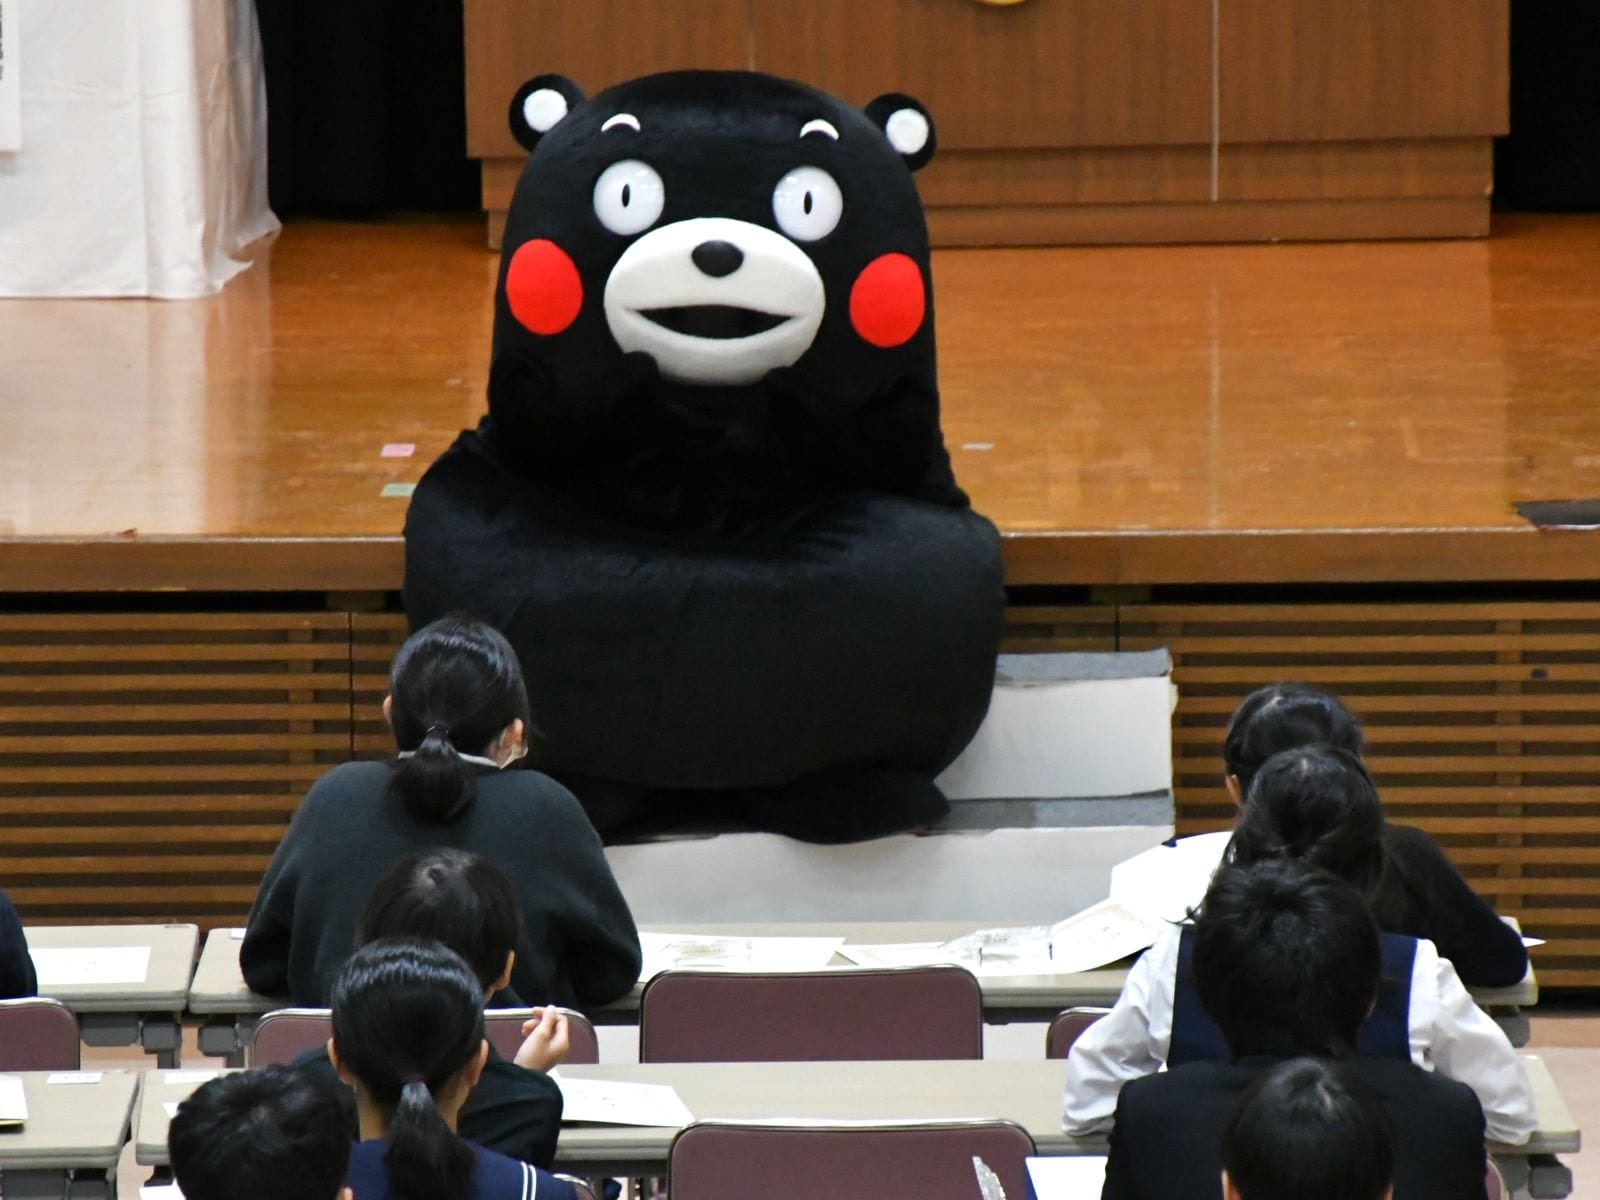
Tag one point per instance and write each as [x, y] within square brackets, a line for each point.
[1298, 413]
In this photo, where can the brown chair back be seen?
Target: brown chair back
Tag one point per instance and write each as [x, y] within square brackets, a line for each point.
[1066, 1028]
[38, 1034]
[284, 1035]
[811, 1016]
[912, 1161]
[503, 1028]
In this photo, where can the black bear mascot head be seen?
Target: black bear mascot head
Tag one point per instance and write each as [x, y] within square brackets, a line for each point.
[716, 289]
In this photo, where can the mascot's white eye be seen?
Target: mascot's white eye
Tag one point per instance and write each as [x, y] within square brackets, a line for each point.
[629, 197]
[808, 204]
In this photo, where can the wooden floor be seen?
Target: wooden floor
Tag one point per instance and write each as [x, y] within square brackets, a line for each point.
[1353, 412]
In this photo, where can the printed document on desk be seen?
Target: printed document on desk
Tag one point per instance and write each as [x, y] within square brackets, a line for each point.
[605, 1102]
[1075, 1177]
[13, 1101]
[76, 966]
[669, 951]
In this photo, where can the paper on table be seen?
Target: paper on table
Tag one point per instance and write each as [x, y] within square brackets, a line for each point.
[665, 951]
[76, 965]
[1102, 933]
[13, 1101]
[160, 1192]
[604, 1102]
[1074, 1177]
[1166, 881]
[932, 954]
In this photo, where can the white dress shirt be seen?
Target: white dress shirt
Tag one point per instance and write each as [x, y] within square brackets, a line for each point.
[1449, 1034]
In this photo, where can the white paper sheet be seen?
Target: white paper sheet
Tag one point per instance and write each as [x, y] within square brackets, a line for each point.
[10, 78]
[1075, 1177]
[160, 1192]
[666, 951]
[1167, 881]
[79, 965]
[602, 1102]
[13, 1101]
[1101, 934]
[73, 1078]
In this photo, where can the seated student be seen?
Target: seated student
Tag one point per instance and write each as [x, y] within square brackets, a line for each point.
[408, 1037]
[1416, 890]
[1287, 963]
[17, 978]
[1317, 806]
[269, 1134]
[1308, 1128]
[466, 905]
[459, 713]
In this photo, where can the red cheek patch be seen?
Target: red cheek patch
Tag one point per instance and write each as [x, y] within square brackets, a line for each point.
[543, 288]
[888, 302]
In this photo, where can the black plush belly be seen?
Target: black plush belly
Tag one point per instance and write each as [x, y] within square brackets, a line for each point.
[866, 635]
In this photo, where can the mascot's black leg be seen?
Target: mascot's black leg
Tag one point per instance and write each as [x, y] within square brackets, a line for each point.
[847, 804]
[622, 813]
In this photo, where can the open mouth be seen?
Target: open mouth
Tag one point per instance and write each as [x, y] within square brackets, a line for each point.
[713, 320]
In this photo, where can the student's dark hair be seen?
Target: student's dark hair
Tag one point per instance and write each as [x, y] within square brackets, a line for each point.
[407, 1017]
[275, 1133]
[454, 687]
[1310, 1129]
[1317, 805]
[457, 899]
[1285, 959]
[1285, 716]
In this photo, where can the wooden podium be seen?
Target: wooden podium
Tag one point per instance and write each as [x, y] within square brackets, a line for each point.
[1065, 121]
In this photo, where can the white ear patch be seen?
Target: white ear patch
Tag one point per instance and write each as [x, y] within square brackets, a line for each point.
[621, 119]
[825, 128]
[907, 131]
[544, 109]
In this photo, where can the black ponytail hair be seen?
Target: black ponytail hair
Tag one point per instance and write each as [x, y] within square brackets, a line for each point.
[407, 1017]
[454, 687]
[1318, 806]
[1285, 716]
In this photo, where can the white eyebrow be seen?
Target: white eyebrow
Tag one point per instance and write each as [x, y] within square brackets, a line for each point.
[819, 126]
[628, 119]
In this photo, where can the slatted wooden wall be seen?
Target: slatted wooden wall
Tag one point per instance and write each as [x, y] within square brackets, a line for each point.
[148, 762]
[1483, 727]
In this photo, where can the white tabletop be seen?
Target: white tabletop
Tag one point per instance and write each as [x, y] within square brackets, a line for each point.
[166, 984]
[1028, 1092]
[80, 1125]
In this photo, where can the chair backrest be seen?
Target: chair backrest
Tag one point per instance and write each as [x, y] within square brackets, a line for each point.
[811, 1016]
[284, 1035]
[1064, 1030]
[584, 1190]
[1494, 1183]
[911, 1161]
[38, 1034]
[503, 1028]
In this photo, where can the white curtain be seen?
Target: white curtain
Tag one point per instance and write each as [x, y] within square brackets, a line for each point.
[142, 169]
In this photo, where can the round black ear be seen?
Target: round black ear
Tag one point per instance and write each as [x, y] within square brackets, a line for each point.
[540, 105]
[908, 127]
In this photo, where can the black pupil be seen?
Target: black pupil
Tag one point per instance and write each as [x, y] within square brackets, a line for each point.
[627, 194]
[808, 204]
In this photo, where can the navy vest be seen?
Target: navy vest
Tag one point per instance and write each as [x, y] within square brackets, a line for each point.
[1384, 1034]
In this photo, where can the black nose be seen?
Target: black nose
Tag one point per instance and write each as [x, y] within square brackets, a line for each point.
[717, 258]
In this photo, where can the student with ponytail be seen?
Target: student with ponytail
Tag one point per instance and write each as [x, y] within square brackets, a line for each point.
[1317, 807]
[408, 1038]
[460, 717]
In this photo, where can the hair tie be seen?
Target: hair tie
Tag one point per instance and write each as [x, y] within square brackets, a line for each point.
[440, 728]
[413, 1078]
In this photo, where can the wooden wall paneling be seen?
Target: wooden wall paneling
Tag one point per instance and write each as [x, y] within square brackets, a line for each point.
[374, 638]
[1042, 74]
[1483, 727]
[1054, 629]
[596, 43]
[151, 761]
[1310, 70]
